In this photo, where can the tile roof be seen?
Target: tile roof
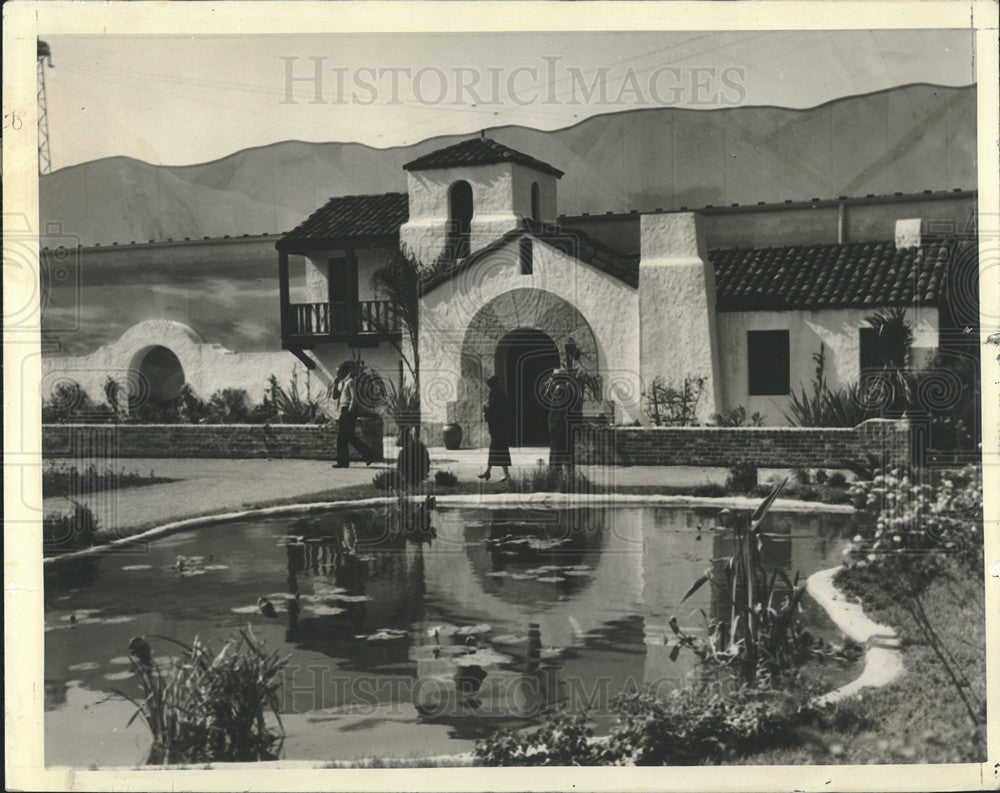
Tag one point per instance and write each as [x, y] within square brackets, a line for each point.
[839, 275]
[477, 151]
[570, 241]
[349, 217]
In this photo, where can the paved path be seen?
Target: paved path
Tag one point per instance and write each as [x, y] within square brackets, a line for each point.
[207, 486]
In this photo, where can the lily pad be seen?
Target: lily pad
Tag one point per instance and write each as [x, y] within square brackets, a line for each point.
[323, 611]
[473, 630]
[387, 634]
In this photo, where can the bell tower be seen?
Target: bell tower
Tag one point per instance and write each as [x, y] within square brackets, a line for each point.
[465, 196]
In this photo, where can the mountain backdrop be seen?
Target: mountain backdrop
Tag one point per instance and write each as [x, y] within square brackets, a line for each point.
[907, 139]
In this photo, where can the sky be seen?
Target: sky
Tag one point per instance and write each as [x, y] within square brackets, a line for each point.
[176, 100]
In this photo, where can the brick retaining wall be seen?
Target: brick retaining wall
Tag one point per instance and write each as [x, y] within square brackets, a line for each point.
[282, 441]
[766, 447]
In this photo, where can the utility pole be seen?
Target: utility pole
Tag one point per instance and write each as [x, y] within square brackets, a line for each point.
[44, 154]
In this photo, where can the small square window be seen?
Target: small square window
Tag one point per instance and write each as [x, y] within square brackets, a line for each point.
[768, 363]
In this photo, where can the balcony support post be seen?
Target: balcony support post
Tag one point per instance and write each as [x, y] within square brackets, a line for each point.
[284, 293]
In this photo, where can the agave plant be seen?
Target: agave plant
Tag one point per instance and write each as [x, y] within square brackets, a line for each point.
[401, 404]
[207, 707]
[292, 407]
[761, 637]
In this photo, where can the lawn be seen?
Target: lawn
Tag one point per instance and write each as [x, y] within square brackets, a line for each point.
[920, 718]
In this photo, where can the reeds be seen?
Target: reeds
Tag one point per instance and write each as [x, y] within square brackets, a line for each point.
[204, 707]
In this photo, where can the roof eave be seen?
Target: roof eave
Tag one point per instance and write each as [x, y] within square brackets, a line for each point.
[302, 247]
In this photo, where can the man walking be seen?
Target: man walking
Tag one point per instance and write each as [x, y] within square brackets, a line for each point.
[345, 391]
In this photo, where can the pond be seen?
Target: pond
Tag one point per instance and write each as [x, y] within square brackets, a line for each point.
[411, 644]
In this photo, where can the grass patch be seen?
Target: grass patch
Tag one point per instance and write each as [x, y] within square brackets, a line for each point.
[61, 479]
[919, 718]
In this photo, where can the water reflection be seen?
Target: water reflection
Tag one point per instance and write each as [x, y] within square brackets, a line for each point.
[469, 619]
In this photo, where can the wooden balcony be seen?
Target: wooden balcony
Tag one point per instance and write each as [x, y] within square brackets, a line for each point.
[364, 323]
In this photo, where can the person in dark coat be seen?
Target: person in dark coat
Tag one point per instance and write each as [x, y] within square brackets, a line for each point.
[497, 414]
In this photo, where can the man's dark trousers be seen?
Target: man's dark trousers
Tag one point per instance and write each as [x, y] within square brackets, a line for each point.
[346, 438]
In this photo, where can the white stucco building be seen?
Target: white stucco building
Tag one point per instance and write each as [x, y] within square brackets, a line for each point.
[741, 298]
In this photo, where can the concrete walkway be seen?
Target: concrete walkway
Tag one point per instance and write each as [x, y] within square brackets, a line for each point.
[207, 486]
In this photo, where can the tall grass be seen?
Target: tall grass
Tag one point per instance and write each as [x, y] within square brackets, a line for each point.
[60, 479]
[551, 479]
[207, 707]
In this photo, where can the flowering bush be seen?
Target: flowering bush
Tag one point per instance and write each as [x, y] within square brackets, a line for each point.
[689, 726]
[914, 522]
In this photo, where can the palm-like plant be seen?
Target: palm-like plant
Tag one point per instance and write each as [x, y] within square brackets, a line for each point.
[397, 281]
[761, 637]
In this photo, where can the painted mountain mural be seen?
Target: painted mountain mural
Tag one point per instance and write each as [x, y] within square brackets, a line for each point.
[908, 139]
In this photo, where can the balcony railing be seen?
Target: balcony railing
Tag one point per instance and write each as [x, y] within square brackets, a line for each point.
[367, 317]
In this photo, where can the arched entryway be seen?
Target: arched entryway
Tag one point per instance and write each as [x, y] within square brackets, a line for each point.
[161, 374]
[532, 326]
[523, 358]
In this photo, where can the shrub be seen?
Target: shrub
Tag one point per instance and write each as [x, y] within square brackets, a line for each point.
[386, 481]
[742, 478]
[674, 407]
[69, 402]
[690, 726]
[562, 740]
[837, 479]
[737, 417]
[820, 477]
[69, 532]
[802, 476]
[229, 406]
[551, 479]
[709, 490]
[912, 523]
[806, 494]
[445, 478]
[207, 706]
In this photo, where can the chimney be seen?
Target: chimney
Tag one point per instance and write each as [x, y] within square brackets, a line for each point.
[677, 333]
[908, 233]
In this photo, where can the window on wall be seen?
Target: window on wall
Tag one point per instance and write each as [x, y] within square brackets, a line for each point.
[527, 256]
[877, 351]
[536, 203]
[768, 363]
[460, 211]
